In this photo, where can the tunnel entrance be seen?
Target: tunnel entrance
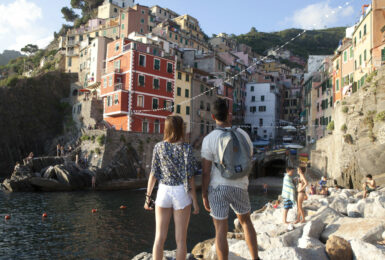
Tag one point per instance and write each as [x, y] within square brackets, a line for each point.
[273, 168]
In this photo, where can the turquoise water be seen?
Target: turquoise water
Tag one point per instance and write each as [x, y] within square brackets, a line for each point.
[71, 231]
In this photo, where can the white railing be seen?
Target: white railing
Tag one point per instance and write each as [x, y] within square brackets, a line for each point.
[118, 86]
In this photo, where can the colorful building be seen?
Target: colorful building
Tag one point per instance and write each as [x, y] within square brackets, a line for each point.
[378, 46]
[138, 87]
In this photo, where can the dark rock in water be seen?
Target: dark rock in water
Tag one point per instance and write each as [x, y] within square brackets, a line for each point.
[39, 163]
[44, 184]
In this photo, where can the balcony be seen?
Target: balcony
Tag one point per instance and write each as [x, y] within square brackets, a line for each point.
[118, 86]
[71, 53]
[71, 43]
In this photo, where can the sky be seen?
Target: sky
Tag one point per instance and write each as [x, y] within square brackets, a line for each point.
[34, 21]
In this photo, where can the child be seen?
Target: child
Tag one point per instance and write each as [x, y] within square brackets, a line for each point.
[288, 192]
[369, 185]
[323, 187]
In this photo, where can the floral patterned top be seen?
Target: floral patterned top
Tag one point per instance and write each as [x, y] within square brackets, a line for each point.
[171, 162]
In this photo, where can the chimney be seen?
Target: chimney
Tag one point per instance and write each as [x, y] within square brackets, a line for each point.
[363, 9]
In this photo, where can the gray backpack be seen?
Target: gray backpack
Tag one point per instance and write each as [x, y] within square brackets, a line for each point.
[234, 154]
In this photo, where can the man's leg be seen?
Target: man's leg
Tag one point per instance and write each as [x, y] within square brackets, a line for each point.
[250, 234]
[221, 228]
[285, 216]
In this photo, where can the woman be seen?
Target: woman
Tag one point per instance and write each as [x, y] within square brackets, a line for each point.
[301, 190]
[173, 166]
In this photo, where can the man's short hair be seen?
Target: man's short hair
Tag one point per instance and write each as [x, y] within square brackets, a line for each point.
[369, 176]
[220, 109]
[288, 169]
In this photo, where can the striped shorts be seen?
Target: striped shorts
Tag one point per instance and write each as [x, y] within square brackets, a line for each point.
[287, 204]
[222, 198]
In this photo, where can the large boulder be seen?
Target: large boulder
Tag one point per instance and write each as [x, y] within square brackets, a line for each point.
[39, 163]
[369, 230]
[364, 251]
[202, 249]
[326, 215]
[44, 184]
[313, 229]
[167, 255]
[356, 210]
[339, 204]
[376, 208]
[338, 248]
[19, 180]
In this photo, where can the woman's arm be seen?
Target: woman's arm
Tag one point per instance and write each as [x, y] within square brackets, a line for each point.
[193, 195]
[150, 187]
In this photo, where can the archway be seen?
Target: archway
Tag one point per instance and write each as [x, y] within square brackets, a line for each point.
[273, 168]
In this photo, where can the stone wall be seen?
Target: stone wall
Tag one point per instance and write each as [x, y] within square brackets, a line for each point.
[348, 162]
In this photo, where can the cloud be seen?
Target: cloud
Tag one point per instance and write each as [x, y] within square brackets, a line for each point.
[19, 25]
[320, 15]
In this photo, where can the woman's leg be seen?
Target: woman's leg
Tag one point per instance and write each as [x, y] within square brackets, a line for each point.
[181, 220]
[300, 208]
[162, 219]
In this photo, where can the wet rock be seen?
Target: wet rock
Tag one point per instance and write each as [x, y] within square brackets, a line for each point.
[363, 250]
[338, 248]
[39, 163]
[44, 184]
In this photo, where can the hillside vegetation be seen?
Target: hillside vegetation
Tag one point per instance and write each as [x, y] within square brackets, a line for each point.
[314, 42]
[8, 55]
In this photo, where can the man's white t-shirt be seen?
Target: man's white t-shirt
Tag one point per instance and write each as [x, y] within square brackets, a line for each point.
[210, 152]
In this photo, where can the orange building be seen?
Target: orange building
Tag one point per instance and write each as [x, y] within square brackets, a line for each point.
[347, 67]
[337, 77]
[138, 86]
[134, 19]
[378, 50]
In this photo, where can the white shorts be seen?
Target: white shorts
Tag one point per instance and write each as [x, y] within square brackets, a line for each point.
[174, 197]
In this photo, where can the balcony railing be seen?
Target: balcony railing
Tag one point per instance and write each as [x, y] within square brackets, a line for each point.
[118, 86]
[72, 53]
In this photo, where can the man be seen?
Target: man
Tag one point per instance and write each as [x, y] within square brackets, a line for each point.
[288, 193]
[219, 193]
[369, 185]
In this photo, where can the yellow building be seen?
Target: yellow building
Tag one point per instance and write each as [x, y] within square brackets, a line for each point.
[182, 94]
[362, 45]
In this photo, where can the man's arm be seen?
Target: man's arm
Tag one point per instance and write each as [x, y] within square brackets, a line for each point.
[206, 171]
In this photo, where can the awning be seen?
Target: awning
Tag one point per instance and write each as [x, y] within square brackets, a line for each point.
[346, 89]
[84, 90]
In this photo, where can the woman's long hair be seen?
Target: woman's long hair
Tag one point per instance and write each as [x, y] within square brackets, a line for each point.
[173, 129]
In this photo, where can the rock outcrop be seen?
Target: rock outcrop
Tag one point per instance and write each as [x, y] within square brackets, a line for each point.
[329, 232]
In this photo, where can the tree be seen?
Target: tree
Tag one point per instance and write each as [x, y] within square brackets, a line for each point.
[77, 4]
[68, 14]
[30, 49]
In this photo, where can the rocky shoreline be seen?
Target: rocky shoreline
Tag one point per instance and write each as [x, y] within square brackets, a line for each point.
[342, 225]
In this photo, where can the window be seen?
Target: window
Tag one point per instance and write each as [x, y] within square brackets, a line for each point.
[187, 110]
[208, 108]
[170, 34]
[355, 41]
[169, 86]
[253, 99]
[252, 88]
[383, 54]
[110, 81]
[202, 127]
[145, 126]
[176, 36]
[156, 64]
[186, 93]
[262, 109]
[157, 127]
[141, 80]
[337, 84]
[122, 26]
[155, 83]
[105, 82]
[178, 91]
[140, 102]
[187, 77]
[142, 60]
[201, 105]
[364, 29]
[262, 98]
[178, 109]
[180, 75]
[351, 53]
[141, 20]
[202, 89]
[169, 67]
[345, 56]
[168, 105]
[117, 46]
[122, 16]
[116, 99]
[360, 59]
[207, 127]
[364, 55]
[109, 101]
[360, 35]
[117, 65]
[253, 109]
[261, 122]
[155, 103]
[69, 63]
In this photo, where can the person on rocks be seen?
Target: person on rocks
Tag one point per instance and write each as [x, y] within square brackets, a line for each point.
[369, 185]
[323, 186]
[174, 166]
[62, 152]
[17, 166]
[28, 159]
[312, 190]
[219, 193]
[58, 150]
[301, 189]
[288, 193]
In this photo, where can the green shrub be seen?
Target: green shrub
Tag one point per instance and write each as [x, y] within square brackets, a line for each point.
[330, 126]
[85, 138]
[345, 109]
[371, 113]
[343, 103]
[344, 128]
[348, 139]
[101, 139]
[368, 121]
[380, 116]
[97, 150]
[122, 139]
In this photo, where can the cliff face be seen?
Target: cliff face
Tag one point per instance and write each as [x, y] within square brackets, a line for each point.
[356, 147]
[31, 115]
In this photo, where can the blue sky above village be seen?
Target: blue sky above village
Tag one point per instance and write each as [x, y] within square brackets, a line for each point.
[34, 21]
